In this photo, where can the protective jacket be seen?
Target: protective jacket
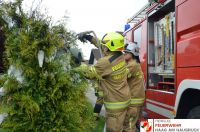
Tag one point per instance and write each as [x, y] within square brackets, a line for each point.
[136, 83]
[112, 73]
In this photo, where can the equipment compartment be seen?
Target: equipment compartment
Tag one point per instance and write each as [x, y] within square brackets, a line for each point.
[161, 47]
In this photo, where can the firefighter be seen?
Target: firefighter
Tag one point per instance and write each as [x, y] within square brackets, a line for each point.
[136, 85]
[111, 72]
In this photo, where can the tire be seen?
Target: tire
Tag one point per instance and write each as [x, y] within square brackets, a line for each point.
[194, 113]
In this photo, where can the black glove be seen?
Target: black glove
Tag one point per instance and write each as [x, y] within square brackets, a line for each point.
[85, 37]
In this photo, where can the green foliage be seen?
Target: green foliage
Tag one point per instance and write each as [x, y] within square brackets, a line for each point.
[99, 125]
[51, 97]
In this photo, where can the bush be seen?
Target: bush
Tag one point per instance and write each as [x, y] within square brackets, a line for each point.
[40, 97]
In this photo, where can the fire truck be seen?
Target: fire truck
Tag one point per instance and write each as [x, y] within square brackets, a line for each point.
[168, 34]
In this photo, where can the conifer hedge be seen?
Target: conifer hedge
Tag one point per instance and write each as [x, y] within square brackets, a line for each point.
[49, 96]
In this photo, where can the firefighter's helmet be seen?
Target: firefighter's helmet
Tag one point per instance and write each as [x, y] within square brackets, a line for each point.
[113, 41]
[132, 48]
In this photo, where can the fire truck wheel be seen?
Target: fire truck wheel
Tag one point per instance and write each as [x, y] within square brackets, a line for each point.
[194, 113]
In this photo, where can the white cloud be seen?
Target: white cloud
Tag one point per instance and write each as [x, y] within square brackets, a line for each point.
[101, 16]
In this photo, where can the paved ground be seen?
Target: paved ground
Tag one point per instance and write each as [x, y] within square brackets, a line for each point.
[92, 98]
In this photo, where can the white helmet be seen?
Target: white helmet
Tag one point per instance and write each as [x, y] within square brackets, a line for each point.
[132, 48]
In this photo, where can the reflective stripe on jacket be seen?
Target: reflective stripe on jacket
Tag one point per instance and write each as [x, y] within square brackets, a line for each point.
[117, 105]
[137, 101]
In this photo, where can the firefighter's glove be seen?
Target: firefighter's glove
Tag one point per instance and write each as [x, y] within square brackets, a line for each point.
[85, 37]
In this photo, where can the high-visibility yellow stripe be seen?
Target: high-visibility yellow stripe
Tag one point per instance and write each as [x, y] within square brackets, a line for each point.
[124, 102]
[121, 105]
[137, 100]
[116, 105]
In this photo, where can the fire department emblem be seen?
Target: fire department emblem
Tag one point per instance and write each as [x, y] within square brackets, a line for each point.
[146, 126]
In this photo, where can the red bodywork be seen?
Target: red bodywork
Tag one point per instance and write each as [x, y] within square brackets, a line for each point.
[187, 54]
[188, 40]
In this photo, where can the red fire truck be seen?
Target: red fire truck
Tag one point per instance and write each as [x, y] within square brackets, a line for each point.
[168, 33]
